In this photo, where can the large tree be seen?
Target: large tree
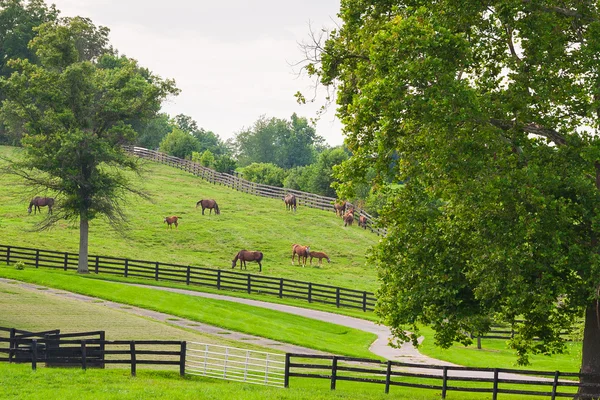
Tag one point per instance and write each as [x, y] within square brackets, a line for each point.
[75, 106]
[489, 114]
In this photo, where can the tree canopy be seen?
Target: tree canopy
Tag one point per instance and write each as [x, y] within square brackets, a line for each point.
[489, 114]
[74, 107]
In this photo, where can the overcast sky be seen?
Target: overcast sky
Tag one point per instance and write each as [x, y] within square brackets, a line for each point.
[230, 58]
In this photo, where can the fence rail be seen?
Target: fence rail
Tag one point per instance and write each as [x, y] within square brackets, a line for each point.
[258, 189]
[234, 364]
[441, 378]
[208, 277]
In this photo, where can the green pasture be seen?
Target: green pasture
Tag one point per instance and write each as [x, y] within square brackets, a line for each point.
[246, 222]
[20, 382]
[257, 321]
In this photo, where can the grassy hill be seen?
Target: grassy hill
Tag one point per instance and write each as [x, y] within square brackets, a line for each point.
[246, 222]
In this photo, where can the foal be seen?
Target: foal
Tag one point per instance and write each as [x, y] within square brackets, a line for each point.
[171, 221]
[320, 255]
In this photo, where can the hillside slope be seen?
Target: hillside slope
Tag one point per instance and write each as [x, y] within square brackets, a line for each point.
[246, 222]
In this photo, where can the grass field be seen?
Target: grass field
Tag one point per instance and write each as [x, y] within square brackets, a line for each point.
[246, 222]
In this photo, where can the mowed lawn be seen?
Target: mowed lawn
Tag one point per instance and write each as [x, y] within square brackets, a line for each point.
[246, 222]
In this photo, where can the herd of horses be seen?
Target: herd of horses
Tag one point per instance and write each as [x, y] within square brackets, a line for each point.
[342, 209]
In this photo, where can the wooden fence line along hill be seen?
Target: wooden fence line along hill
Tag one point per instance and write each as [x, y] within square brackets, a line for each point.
[214, 278]
[440, 378]
[258, 189]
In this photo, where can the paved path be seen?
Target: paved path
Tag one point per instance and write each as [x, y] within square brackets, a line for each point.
[406, 354]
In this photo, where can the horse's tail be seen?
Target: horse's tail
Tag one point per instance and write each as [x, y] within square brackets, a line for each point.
[217, 208]
[198, 203]
[260, 256]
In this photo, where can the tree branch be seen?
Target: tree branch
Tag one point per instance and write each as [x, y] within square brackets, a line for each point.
[533, 128]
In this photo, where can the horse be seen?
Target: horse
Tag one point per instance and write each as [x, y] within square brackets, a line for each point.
[349, 217]
[362, 221]
[301, 251]
[290, 202]
[320, 255]
[38, 202]
[340, 208]
[171, 221]
[210, 204]
[245, 255]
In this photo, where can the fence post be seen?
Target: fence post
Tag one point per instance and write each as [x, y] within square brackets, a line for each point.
[102, 348]
[8, 254]
[249, 283]
[37, 258]
[333, 372]
[218, 279]
[444, 383]
[66, 260]
[364, 301]
[83, 355]
[337, 297]
[495, 390]
[97, 264]
[126, 267]
[34, 354]
[286, 375]
[309, 292]
[133, 360]
[187, 275]
[280, 288]
[182, 358]
[388, 377]
[156, 271]
[555, 385]
[11, 345]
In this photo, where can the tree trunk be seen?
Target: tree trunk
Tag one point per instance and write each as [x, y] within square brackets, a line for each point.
[590, 361]
[82, 267]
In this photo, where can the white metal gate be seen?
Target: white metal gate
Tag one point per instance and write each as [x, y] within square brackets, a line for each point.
[235, 364]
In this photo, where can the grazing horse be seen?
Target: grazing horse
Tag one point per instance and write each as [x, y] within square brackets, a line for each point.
[245, 255]
[302, 251]
[320, 255]
[290, 202]
[171, 221]
[340, 208]
[349, 217]
[38, 202]
[210, 204]
[362, 221]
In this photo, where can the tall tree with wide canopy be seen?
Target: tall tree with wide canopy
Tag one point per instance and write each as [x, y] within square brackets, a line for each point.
[74, 107]
[489, 113]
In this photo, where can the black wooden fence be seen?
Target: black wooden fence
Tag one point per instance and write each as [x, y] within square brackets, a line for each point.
[64, 350]
[441, 378]
[235, 182]
[209, 277]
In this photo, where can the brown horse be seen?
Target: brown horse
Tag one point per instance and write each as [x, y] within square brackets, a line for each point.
[320, 255]
[290, 202]
[349, 217]
[38, 202]
[362, 221]
[171, 221]
[245, 255]
[302, 251]
[340, 208]
[210, 204]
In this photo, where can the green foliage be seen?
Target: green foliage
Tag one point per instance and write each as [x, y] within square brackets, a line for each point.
[207, 159]
[19, 265]
[151, 132]
[225, 163]
[207, 140]
[265, 173]
[179, 144]
[488, 113]
[286, 144]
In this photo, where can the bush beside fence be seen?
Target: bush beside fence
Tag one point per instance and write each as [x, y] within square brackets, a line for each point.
[208, 277]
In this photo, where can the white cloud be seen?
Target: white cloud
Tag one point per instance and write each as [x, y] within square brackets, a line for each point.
[231, 59]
